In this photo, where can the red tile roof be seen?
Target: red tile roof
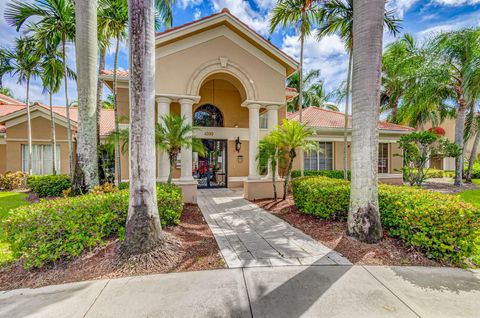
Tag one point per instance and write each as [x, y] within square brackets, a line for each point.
[107, 119]
[7, 100]
[323, 118]
[119, 73]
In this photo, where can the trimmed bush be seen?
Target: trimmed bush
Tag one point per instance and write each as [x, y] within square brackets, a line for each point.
[50, 185]
[51, 230]
[437, 173]
[441, 225]
[13, 180]
[334, 174]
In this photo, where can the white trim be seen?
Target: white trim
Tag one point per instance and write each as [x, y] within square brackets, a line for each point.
[36, 140]
[20, 116]
[381, 139]
[178, 97]
[220, 31]
[225, 133]
[320, 130]
[225, 17]
[3, 139]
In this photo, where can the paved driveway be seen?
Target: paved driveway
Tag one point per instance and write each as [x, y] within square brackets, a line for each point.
[249, 236]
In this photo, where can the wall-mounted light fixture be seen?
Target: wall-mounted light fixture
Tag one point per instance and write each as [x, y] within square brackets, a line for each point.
[238, 144]
[240, 159]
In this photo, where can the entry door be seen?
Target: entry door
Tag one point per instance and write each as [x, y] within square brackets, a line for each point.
[211, 169]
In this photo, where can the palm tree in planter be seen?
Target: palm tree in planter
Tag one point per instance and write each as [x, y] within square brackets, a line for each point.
[25, 63]
[53, 18]
[293, 136]
[171, 135]
[271, 154]
[336, 17]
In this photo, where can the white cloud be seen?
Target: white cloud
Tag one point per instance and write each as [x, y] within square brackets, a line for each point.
[197, 14]
[401, 6]
[189, 3]
[259, 21]
[463, 21]
[456, 2]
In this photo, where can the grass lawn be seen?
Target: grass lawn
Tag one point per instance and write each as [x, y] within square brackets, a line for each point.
[472, 196]
[8, 200]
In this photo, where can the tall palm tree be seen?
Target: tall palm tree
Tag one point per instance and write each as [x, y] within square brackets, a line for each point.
[336, 17]
[364, 218]
[113, 20]
[271, 155]
[472, 129]
[52, 18]
[25, 63]
[51, 74]
[5, 66]
[314, 93]
[86, 48]
[293, 136]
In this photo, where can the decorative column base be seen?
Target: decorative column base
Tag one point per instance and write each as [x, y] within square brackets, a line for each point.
[261, 189]
[189, 190]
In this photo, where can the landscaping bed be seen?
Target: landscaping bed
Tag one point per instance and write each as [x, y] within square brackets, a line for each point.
[198, 248]
[390, 251]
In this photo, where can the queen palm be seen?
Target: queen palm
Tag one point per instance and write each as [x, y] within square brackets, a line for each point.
[25, 63]
[271, 155]
[364, 218]
[5, 66]
[336, 17]
[52, 18]
[314, 93]
[51, 74]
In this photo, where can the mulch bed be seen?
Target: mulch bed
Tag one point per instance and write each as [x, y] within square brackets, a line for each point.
[198, 250]
[389, 251]
[446, 186]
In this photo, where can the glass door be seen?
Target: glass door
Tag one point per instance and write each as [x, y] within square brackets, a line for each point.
[210, 170]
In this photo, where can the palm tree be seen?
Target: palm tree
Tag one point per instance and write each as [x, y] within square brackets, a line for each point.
[364, 218]
[143, 232]
[6, 91]
[5, 66]
[336, 17]
[314, 93]
[53, 19]
[86, 48]
[113, 20]
[51, 70]
[270, 155]
[472, 129]
[302, 14]
[171, 135]
[293, 136]
[457, 52]
[25, 65]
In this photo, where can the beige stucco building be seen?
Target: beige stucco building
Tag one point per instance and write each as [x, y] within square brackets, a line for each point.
[228, 82]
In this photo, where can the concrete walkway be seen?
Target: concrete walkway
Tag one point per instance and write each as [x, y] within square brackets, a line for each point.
[293, 291]
[249, 236]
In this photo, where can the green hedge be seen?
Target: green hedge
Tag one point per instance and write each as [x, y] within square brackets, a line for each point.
[334, 174]
[45, 232]
[441, 225]
[50, 185]
[437, 173]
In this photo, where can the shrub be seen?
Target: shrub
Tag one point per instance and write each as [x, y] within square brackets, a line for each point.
[334, 174]
[13, 180]
[50, 185]
[476, 170]
[105, 188]
[441, 225]
[50, 230]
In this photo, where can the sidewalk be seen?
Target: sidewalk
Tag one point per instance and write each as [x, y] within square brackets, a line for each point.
[289, 291]
[249, 236]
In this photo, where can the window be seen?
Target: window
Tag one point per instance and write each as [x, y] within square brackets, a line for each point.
[42, 159]
[264, 120]
[208, 116]
[382, 158]
[321, 159]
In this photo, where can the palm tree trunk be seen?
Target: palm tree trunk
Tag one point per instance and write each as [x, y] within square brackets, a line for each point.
[172, 160]
[300, 93]
[29, 127]
[54, 138]
[364, 218]
[292, 156]
[274, 178]
[115, 111]
[101, 66]
[473, 157]
[345, 122]
[143, 232]
[459, 140]
[67, 105]
[86, 172]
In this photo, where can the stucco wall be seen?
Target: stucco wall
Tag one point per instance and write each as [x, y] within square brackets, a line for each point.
[3, 158]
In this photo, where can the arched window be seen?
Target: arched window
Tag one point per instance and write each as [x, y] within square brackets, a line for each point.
[208, 116]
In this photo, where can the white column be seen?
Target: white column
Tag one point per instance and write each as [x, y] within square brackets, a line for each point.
[254, 135]
[186, 154]
[163, 166]
[272, 122]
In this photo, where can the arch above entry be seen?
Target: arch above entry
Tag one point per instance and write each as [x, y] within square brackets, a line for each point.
[221, 65]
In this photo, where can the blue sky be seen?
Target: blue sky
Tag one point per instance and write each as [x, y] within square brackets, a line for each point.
[420, 18]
